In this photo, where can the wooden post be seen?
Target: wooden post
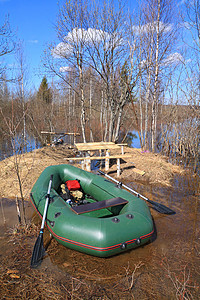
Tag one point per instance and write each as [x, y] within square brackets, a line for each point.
[107, 160]
[100, 154]
[118, 167]
[88, 162]
[122, 149]
[83, 164]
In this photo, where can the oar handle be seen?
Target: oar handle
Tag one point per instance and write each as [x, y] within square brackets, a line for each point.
[125, 186]
[102, 173]
[157, 206]
[46, 203]
[50, 183]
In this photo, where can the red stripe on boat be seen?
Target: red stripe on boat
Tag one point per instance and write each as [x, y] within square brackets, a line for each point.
[85, 245]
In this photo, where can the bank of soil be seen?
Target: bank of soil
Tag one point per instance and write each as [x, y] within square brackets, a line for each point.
[30, 165]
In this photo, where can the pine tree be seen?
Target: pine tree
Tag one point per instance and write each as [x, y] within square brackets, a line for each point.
[45, 93]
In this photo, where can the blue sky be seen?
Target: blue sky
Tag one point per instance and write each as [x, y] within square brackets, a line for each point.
[33, 21]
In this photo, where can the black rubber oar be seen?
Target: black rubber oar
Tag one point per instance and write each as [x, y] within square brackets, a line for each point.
[38, 251]
[155, 205]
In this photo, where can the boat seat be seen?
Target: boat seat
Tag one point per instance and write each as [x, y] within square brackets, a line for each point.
[81, 209]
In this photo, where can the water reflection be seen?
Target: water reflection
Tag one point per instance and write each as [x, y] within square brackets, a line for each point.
[133, 140]
[9, 215]
[8, 223]
[10, 147]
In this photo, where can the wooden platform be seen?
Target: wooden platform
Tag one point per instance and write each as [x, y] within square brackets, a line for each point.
[99, 146]
[81, 209]
[87, 148]
[86, 161]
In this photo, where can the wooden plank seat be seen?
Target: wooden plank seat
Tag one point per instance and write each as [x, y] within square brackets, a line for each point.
[84, 208]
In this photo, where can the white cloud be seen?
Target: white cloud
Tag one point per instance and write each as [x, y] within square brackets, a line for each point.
[166, 27]
[33, 41]
[62, 50]
[77, 36]
[97, 35]
[152, 27]
[88, 36]
[66, 69]
[173, 58]
[188, 60]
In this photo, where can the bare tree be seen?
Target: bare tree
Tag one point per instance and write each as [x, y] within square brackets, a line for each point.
[11, 134]
[94, 37]
[21, 83]
[108, 53]
[7, 44]
[157, 35]
[189, 132]
[69, 53]
[191, 25]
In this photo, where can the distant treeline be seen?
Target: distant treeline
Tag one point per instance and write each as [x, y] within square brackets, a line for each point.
[108, 72]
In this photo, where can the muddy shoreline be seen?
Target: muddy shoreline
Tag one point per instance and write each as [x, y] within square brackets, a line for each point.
[167, 268]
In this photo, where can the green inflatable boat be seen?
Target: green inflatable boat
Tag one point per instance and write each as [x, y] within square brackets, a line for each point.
[104, 219]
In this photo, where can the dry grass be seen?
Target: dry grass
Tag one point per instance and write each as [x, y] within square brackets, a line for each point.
[157, 168]
[30, 167]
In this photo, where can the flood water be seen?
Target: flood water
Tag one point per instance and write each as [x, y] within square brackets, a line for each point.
[8, 221]
[163, 269]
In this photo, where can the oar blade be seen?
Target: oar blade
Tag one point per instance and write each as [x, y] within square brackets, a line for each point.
[161, 208]
[38, 252]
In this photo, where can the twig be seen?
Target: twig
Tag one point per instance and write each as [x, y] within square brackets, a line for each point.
[181, 285]
[137, 266]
